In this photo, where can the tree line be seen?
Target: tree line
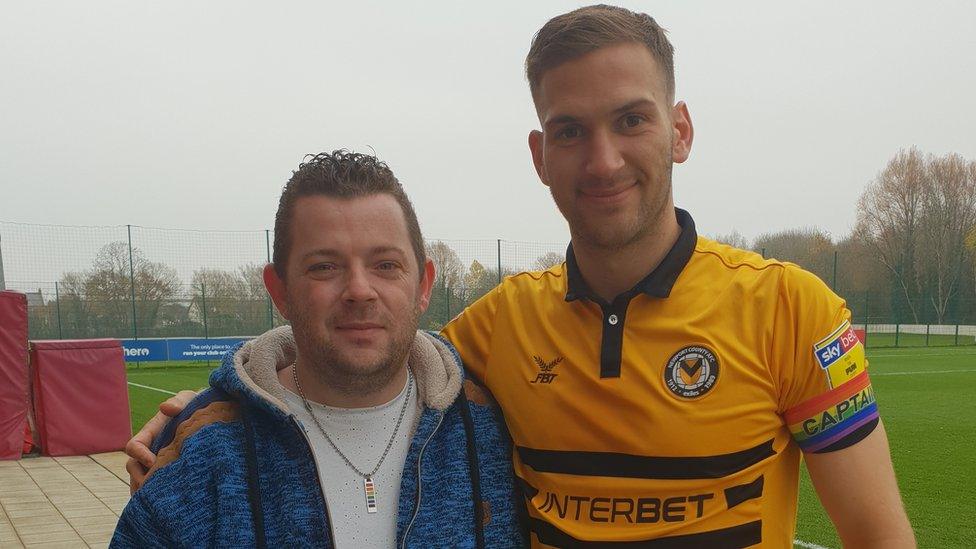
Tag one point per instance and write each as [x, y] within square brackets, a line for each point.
[910, 259]
[911, 256]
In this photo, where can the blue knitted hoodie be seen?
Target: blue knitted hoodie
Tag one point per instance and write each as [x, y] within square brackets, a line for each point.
[235, 468]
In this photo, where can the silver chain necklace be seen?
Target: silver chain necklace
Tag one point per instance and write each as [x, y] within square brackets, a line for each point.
[368, 486]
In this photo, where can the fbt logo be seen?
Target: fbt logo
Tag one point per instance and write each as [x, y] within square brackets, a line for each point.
[546, 376]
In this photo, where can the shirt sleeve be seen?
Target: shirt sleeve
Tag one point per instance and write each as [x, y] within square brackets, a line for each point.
[825, 392]
[470, 332]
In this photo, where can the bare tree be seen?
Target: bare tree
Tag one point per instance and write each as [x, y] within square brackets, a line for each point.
[734, 239]
[809, 247]
[548, 260]
[104, 294]
[253, 276]
[949, 213]
[447, 265]
[889, 214]
[915, 215]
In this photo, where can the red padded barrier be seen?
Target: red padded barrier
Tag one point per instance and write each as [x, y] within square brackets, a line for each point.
[81, 401]
[14, 377]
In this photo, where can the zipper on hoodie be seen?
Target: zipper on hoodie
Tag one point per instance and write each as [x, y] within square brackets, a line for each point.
[318, 477]
[420, 481]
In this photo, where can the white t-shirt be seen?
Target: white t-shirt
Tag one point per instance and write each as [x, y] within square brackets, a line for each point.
[362, 434]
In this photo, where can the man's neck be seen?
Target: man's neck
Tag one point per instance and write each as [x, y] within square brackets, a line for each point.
[314, 389]
[609, 273]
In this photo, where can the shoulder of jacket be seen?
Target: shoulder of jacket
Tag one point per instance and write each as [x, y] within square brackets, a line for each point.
[208, 408]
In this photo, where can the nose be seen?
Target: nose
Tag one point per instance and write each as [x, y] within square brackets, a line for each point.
[359, 287]
[603, 156]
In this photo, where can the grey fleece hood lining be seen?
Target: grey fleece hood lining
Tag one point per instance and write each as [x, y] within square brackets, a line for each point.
[433, 364]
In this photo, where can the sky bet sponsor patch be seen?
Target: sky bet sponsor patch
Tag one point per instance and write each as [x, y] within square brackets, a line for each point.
[841, 355]
[828, 418]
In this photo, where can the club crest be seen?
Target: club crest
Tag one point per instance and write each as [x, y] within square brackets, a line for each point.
[691, 372]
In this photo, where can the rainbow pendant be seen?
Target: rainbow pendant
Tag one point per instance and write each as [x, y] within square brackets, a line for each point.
[370, 494]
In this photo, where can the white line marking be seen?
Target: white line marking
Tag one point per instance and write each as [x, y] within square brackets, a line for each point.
[914, 354]
[808, 545]
[151, 388]
[920, 372]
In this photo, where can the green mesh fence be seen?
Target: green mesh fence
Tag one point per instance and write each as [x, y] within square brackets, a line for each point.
[138, 282]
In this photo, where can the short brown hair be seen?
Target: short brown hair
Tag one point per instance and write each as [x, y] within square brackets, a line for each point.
[574, 34]
[341, 174]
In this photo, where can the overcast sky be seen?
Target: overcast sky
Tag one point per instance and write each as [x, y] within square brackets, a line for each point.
[194, 114]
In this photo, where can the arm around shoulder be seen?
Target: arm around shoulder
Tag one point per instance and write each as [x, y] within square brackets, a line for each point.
[857, 488]
[137, 526]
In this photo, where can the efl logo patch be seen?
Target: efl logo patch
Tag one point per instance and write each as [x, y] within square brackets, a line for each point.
[841, 355]
[691, 372]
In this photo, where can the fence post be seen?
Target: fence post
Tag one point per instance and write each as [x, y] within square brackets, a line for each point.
[203, 299]
[267, 251]
[499, 244]
[897, 329]
[57, 302]
[956, 340]
[447, 299]
[132, 286]
[928, 327]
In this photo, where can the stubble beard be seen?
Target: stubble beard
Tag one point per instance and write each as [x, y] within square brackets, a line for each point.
[593, 234]
[332, 368]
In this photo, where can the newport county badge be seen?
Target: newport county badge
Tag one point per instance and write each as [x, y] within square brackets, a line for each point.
[691, 372]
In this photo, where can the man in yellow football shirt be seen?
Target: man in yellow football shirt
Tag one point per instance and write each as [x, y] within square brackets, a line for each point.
[659, 387]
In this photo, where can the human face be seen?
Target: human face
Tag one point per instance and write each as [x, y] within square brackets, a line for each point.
[353, 290]
[609, 137]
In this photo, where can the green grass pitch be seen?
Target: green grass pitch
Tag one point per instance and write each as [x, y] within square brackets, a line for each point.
[927, 399]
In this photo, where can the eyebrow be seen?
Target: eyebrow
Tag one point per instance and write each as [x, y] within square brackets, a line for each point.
[329, 252]
[561, 119]
[379, 250]
[325, 252]
[635, 104]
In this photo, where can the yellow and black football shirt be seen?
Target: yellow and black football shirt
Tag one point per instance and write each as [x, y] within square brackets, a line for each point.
[674, 416]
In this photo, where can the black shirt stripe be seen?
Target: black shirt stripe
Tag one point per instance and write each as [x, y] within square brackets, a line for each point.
[744, 492]
[609, 464]
[656, 284]
[743, 535]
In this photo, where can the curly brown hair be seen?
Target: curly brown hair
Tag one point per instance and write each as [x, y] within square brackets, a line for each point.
[340, 174]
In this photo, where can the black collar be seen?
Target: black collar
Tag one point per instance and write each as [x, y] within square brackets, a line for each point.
[656, 284]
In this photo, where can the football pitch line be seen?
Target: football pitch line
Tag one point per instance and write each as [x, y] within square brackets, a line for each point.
[151, 388]
[876, 374]
[807, 545]
[963, 351]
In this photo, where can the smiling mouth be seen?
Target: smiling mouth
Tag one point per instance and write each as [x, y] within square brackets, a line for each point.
[605, 194]
[359, 326]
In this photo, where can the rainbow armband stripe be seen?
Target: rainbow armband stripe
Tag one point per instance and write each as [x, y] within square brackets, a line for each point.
[828, 418]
